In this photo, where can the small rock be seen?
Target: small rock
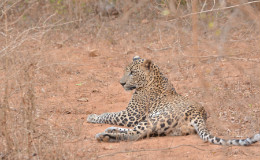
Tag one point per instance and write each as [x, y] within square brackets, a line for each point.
[58, 45]
[110, 147]
[93, 53]
[83, 99]
[95, 91]
[130, 52]
[144, 21]
[68, 112]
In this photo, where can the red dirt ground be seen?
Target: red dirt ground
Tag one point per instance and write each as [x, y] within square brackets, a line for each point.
[78, 74]
[90, 84]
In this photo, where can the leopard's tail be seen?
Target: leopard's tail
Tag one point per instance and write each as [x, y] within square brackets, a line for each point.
[206, 136]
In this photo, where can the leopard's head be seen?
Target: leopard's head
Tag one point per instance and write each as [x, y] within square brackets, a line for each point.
[137, 74]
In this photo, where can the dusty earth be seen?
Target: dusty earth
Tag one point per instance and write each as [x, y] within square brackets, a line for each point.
[89, 83]
[78, 74]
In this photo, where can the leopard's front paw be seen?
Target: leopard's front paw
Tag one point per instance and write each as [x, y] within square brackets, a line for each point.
[102, 137]
[106, 137]
[92, 118]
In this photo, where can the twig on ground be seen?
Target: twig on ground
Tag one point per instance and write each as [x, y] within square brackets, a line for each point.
[148, 150]
[158, 50]
[100, 29]
[245, 59]
[208, 56]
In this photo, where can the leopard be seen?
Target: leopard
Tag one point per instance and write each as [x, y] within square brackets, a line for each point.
[156, 109]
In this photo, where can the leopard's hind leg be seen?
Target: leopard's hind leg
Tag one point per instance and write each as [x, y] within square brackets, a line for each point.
[158, 125]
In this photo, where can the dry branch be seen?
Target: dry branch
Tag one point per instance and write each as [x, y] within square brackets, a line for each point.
[150, 150]
[214, 10]
[195, 27]
[5, 105]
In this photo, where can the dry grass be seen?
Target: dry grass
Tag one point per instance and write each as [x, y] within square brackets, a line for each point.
[40, 120]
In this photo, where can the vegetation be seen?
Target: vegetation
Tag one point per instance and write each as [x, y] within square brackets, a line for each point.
[33, 32]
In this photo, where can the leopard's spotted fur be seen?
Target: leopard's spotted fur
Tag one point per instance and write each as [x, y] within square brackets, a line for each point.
[156, 109]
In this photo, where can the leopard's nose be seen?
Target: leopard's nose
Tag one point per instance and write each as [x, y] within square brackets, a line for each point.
[122, 83]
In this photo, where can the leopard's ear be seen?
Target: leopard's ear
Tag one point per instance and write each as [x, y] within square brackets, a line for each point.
[136, 58]
[147, 64]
